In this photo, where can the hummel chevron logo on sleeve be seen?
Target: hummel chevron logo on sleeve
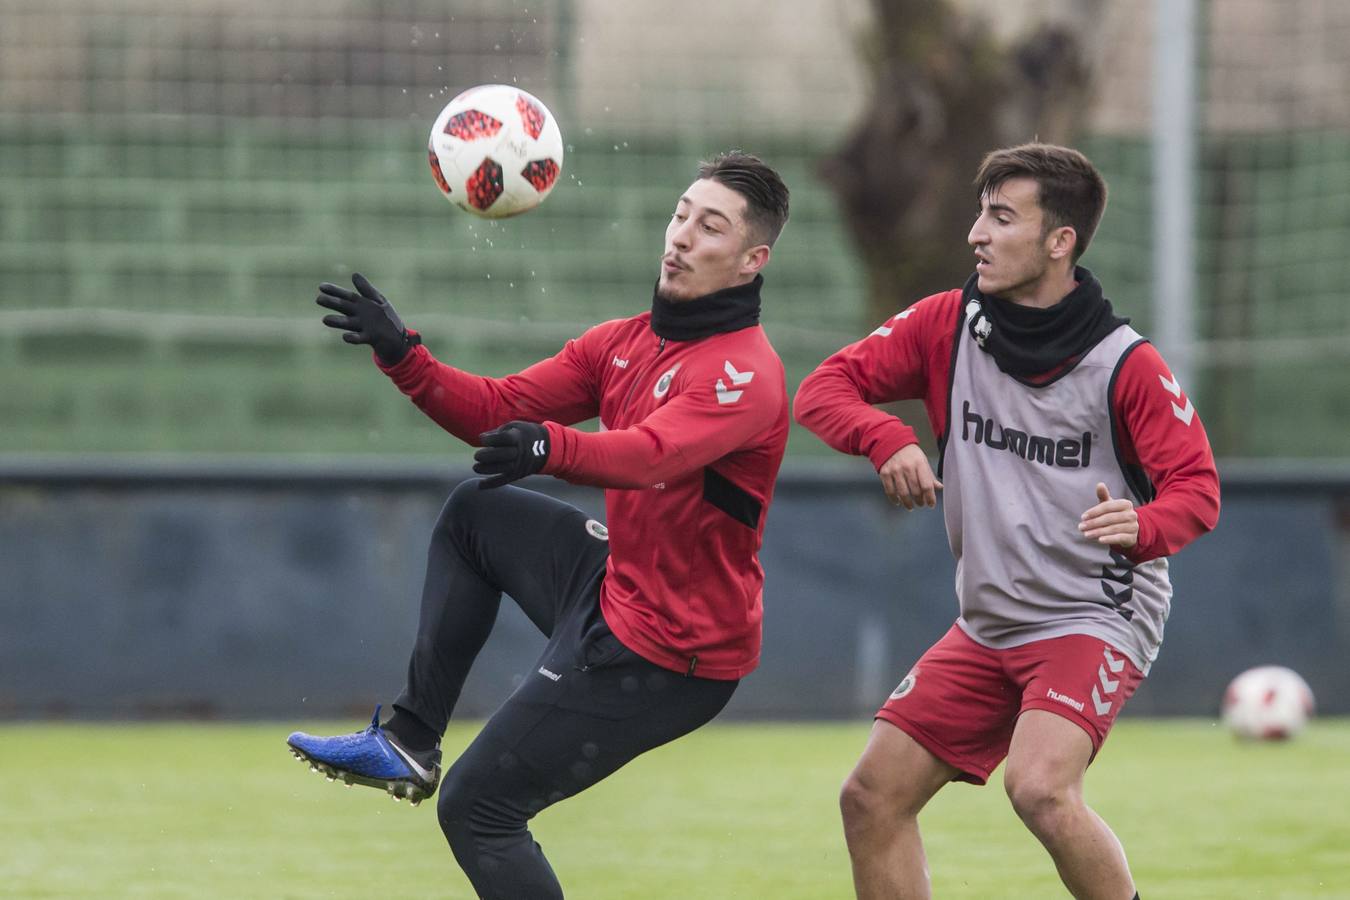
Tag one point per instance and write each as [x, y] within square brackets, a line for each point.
[886, 329]
[1184, 413]
[538, 448]
[725, 394]
[737, 378]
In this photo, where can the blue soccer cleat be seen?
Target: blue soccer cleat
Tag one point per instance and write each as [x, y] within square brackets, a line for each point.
[373, 758]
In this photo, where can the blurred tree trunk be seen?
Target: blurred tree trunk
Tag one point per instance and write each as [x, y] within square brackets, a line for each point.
[944, 92]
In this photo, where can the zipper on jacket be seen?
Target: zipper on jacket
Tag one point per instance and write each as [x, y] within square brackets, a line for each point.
[659, 347]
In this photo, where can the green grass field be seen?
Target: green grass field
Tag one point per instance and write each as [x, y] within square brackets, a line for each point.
[733, 811]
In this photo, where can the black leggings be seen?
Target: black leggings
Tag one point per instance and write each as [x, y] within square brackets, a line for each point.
[589, 706]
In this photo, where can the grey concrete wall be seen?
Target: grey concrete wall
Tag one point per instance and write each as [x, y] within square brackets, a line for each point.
[257, 591]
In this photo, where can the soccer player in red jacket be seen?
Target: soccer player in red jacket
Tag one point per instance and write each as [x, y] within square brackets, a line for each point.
[1072, 464]
[651, 621]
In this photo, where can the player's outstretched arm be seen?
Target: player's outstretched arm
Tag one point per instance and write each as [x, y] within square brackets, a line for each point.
[706, 419]
[366, 317]
[511, 452]
[561, 388]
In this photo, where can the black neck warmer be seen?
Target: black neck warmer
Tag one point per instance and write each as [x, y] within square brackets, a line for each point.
[730, 309]
[1026, 340]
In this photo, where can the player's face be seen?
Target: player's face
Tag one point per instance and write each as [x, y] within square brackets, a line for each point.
[1014, 257]
[708, 247]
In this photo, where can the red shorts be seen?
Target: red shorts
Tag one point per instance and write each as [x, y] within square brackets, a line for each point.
[962, 699]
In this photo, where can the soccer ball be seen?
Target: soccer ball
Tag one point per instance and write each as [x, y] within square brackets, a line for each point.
[495, 151]
[1267, 703]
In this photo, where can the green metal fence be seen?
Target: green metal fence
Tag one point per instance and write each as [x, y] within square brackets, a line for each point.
[177, 177]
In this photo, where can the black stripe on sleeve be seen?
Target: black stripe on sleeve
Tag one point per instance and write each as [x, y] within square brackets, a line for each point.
[1135, 476]
[731, 499]
[951, 380]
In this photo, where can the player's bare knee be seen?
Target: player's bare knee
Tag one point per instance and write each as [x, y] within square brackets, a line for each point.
[857, 802]
[1040, 803]
[866, 805]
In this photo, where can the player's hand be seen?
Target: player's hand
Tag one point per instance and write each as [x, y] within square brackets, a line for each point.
[367, 318]
[908, 479]
[1113, 522]
[511, 452]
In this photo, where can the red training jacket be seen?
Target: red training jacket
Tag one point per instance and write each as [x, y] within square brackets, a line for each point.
[691, 437]
[909, 357]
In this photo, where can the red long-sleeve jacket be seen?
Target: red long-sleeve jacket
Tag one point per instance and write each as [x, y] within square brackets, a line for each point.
[692, 436]
[909, 357]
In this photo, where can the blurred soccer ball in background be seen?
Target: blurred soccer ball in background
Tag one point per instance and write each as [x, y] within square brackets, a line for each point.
[495, 151]
[1267, 703]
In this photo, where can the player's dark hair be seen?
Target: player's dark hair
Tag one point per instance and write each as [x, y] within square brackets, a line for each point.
[766, 197]
[1071, 190]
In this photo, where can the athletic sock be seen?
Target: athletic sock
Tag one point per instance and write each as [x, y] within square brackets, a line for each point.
[411, 732]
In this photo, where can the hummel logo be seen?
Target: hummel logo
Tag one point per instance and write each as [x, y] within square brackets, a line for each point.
[1109, 685]
[724, 394]
[1062, 698]
[540, 447]
[885, 330]
[1184, 413]
[551, 676]
[1123, 576]
[620, 363]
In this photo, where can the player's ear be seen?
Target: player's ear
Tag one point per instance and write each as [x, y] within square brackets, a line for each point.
[1062, 241]
[755, 258]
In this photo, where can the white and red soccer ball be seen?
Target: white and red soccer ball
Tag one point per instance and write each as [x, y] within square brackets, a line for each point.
[1268, 703]
[495, 151]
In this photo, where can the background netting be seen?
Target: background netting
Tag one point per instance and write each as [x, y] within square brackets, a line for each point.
[177, 177]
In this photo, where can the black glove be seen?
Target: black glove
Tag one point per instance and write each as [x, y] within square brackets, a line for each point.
[367, 318]
[511, 452]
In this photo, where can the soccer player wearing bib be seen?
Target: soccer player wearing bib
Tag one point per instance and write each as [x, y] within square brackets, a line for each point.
[651, 622]
[1071, 464]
